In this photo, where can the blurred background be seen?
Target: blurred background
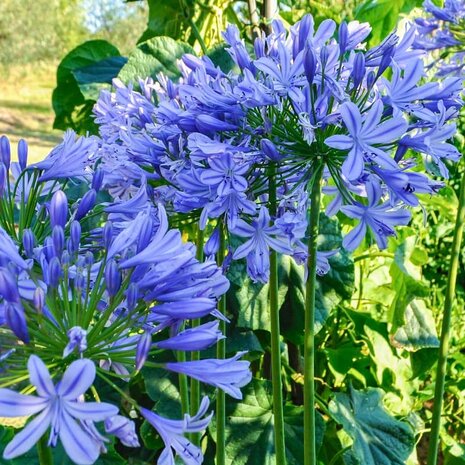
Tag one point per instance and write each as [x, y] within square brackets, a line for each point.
[34, 36]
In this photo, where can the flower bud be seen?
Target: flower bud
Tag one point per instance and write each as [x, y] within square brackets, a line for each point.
[112, 278]
[77, 340]
[132, 294]
[143, 348]
[269, 149]
[86, 204]
[107, 234]
[124, 429]
[3, 178]
[65, 258]
[371, 78]
[310, 62]
[58, 209]
[58, 238]
[358, 70]
[343, 37]
[74, 237]
[22, 154]
[213, 243]
[97, 179]
[38, 299]
[54, 272]
[29, 242]
[5, 151]
[16, 320]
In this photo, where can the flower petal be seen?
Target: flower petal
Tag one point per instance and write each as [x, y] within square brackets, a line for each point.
[40, 377]
[79, 446]
[352, 240]
[13, 404]
[95, 411]
[77, 379]
[26, 438]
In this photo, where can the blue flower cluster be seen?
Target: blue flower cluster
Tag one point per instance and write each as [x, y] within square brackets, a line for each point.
[89, 289]
[442, 34]
[306, 104]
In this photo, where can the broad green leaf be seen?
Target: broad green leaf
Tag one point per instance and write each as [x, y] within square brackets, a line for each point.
[347, 360]
[250, 428]
[406, 281]
[167, 18]
[102, 71]
[378, 438]
[248, 300]
[73, 104]
[159, 54]
[419, 330]
[422, 360]
[382, 16]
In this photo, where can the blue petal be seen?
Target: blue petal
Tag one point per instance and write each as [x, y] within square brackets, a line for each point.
[79, 446]
[26, 438]
[351, 116]
[13, 404]
[352, 240]
[77, 379]
[95, 411]
[40, 377]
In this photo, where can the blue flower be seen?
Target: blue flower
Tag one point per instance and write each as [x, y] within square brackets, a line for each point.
[366, 139]
[58, 407]
[69, 159]
[228, 375]
[262, 236]
[172, 433]
[379, 218]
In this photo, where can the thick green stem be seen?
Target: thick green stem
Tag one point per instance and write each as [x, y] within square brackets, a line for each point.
[221, 354]
[280, 446]
[195, 384]
[445, 329]
[309, 342]
[44, 452]
[183, 385]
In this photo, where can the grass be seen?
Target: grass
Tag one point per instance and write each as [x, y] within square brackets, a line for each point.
[26, 108]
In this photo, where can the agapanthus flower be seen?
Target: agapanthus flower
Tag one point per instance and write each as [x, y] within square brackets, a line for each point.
[172, 433]
[113, 293]
[59, 409]
[439, 33]
[306, 101]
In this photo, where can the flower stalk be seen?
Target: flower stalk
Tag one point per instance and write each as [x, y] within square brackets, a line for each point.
[446, 328]
[309, 341]
[279, 438]
[221, 354]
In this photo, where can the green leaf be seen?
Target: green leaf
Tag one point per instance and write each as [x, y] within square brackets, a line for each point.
[153, 56]
[383, 16]
[250, 429]
[222, 58]
[166, 18]
[77, 89]
[419, 331]
[249, 300]
[378, 438]
[102, 71]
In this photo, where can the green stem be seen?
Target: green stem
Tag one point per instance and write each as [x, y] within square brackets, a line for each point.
[195, 384]
[44, 452]
[446, 328]
[280, 446]
[183, 385]
[221, 354]
[309, 342]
